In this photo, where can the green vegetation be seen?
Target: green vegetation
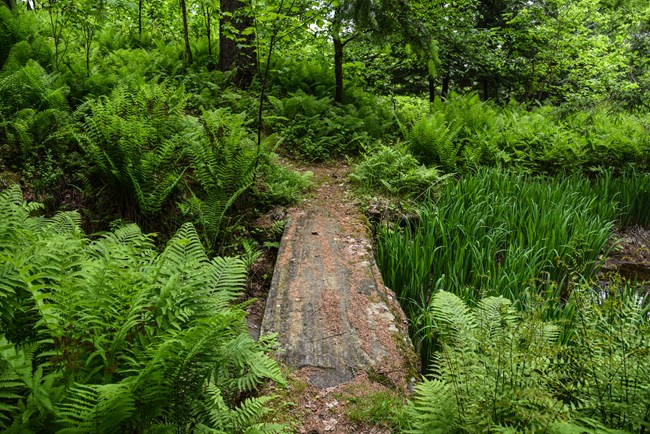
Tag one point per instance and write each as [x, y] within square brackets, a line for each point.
[108, 335]
[503, 234]
[503, 370]
[464, 132]
[515, 133]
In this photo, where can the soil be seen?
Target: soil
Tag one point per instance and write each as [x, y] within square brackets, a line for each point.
[311, 410]
[629, 257]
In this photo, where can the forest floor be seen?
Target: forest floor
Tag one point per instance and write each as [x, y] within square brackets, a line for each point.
[356, 404]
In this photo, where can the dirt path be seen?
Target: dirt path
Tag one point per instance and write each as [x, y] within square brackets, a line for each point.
[339, 328]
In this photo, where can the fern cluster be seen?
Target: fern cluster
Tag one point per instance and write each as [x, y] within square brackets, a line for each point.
[499, 370]
[393, 171]
[465, 132]
[317, 130]
[35, 122]
[107, 335]
[136, 141]
[224, 161]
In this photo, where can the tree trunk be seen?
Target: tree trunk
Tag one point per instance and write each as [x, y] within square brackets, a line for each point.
[10, 4]
[445, 86]
[338, 56]
[338, 68]
[235, 18]
[186, 34]
[432, 90]
[208, 29]
[88, 44]
[140, 20]
[486, 89]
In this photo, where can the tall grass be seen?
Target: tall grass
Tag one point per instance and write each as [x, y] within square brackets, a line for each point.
[631, 193]
[497, 234]
[511, 235]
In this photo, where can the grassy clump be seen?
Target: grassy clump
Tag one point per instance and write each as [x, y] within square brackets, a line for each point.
[497, 234]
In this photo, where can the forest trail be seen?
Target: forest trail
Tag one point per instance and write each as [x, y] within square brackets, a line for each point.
[338, 326]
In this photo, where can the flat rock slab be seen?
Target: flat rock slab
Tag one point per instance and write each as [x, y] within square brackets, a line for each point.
[334, 317]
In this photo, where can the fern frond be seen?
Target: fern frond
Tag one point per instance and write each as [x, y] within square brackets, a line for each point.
[433, 408]
[184, 247]
[96, 408]
[494, 314]
[226, 278]
[15, 372]
[453, 319]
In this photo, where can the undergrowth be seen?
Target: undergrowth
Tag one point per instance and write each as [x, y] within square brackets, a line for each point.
[498, 369]
[464, 132]
[108, 335]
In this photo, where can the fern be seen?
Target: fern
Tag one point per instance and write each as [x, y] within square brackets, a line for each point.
[433, 409]
[15, 370]
[495, 369]
[32, 87]
[96, 408]
[135, 141]
[243, 418]
[433, 141]
[225, 166]
[114, 336]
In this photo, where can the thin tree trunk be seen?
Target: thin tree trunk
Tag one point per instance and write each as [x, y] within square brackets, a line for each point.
[140, 20]
[88, 43]
[338, 56]
[445, 86]
[338, 68]
[186, 34]
[432, 90]
[55, 35]
[10, 4]
[486, 93]
[208, 25]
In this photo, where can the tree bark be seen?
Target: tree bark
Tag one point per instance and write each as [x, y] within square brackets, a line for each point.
[186, 34]
[10, 4]
[338, 56]
[140, 20]
[235, 18]
[432, 90]
[338, 68]
[445, 86]
[208, 29]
